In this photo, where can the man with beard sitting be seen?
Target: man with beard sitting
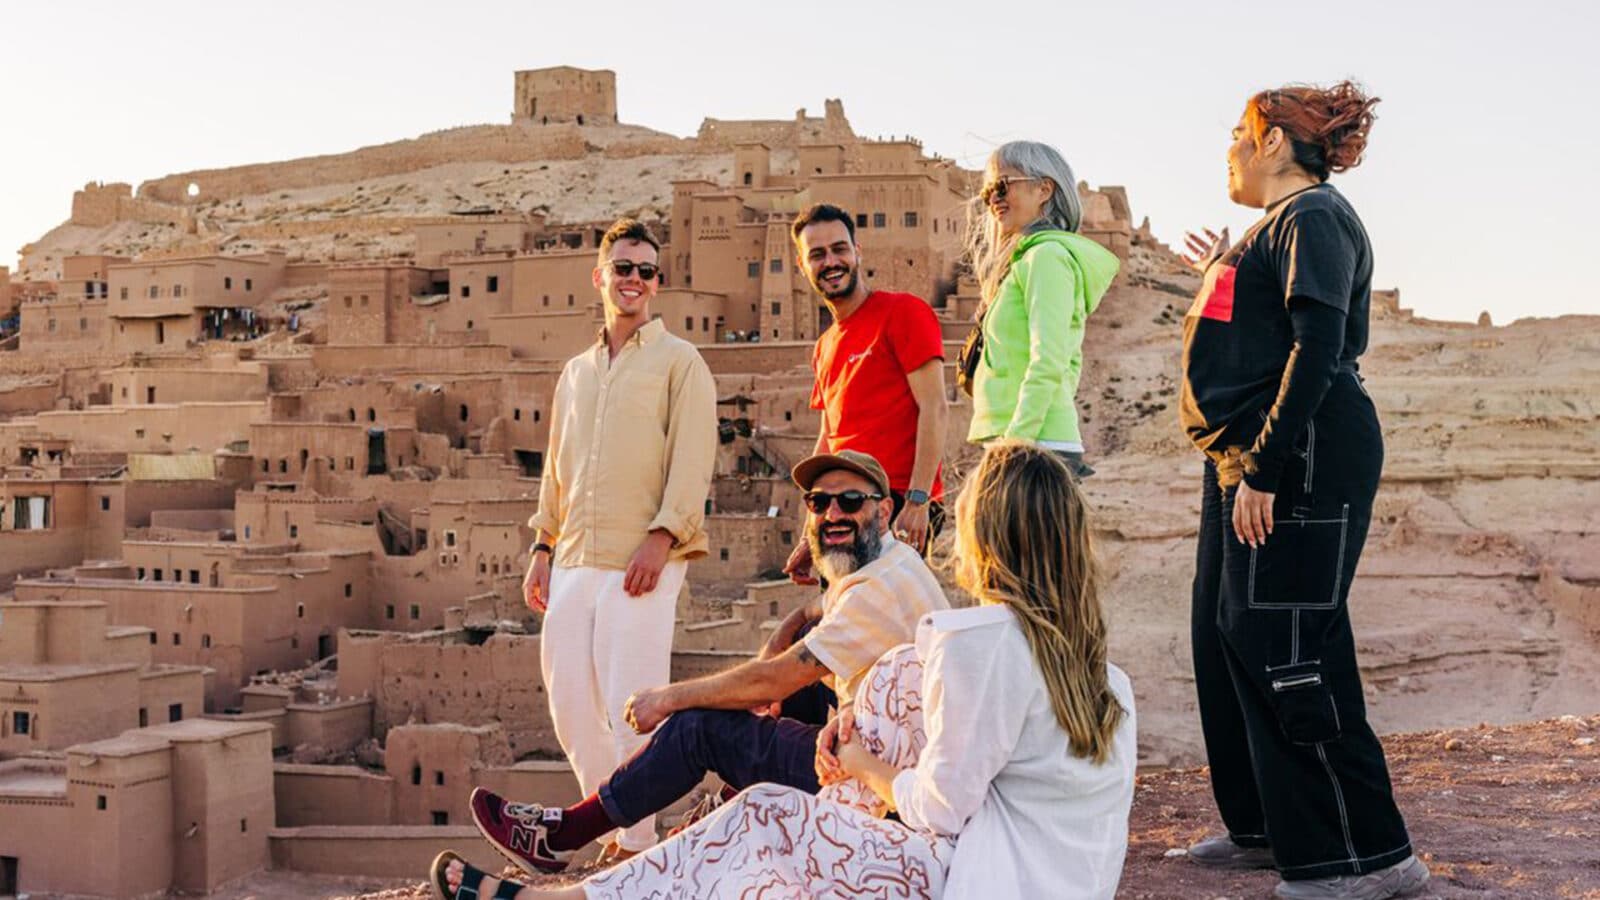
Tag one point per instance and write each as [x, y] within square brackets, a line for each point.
[878, 590]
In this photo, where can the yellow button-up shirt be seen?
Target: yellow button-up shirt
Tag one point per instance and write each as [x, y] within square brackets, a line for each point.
[633, 443]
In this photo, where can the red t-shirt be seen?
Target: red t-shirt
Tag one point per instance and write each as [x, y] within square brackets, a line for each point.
[860, 365]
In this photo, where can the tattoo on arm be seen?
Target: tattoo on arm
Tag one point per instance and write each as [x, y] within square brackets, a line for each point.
[809, 658]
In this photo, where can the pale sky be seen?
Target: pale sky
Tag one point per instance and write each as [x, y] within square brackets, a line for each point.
[1478, 191]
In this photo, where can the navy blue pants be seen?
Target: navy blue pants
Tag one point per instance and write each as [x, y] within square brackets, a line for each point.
[1294, 764]
[742, 748]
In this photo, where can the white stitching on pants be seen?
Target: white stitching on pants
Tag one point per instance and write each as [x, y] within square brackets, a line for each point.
[1338, 568]
[1311, 452]
[1303, 662]
[1294, 639]
[1338, 794]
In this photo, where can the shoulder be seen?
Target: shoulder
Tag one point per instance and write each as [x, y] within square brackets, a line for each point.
[991, 623]
[1318, 206]
[895, 301]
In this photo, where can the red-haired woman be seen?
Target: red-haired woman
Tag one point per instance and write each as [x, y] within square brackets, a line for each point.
[1272, 396]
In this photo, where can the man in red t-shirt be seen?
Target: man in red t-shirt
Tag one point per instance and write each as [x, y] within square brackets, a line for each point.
[879, 377]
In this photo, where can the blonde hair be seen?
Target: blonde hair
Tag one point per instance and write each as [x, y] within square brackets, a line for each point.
[1023, 539]
[989, 251]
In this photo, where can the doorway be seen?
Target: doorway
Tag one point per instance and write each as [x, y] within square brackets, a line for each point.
[377, 455]
[8, 876]
[324, 646]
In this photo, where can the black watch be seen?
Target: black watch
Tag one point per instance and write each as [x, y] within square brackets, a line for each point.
[915, 496]
[541, 546]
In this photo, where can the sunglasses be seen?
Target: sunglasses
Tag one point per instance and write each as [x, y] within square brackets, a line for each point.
[623, 268]
[997, 189]
[850, 502]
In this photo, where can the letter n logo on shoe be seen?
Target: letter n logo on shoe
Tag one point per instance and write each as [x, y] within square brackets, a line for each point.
[1215, 300]
[522, 839]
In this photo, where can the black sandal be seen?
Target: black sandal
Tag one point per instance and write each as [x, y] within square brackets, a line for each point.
[470, 879]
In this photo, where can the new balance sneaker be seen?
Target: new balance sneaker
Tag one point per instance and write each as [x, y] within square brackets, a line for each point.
[520, 831]
[1404, 877]
[708, 803]
[1223, 853]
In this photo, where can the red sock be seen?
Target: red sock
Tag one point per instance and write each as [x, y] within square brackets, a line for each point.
[581, 824]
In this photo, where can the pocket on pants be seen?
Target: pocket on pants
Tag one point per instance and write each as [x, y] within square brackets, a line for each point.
[1301, 566]
[1303, 704]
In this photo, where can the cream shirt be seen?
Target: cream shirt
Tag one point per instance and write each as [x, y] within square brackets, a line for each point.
[1033, 820]
[633, 442]
[870, 611]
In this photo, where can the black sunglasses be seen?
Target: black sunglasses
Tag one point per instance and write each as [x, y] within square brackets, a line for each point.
[624, 268]
[850, 502]
[997, 189]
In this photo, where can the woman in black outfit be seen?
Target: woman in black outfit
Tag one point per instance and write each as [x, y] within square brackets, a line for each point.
[1272, 396]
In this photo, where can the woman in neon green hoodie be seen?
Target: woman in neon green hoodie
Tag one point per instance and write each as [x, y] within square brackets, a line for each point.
[1040, 280]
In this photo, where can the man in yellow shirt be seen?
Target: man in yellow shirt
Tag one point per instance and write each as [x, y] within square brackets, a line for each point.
[633, 437]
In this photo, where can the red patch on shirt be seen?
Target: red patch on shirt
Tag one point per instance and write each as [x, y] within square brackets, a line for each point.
[1215, 300]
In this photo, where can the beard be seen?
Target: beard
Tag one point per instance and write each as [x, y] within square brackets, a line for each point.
[836, 562]
[845, 288]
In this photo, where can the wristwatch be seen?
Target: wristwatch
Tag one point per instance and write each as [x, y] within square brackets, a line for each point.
[916, 497]
[541, 546]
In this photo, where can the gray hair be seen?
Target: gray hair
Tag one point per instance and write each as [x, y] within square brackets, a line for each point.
[988, 250]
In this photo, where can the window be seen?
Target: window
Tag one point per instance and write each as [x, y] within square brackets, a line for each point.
[20, 722]
[438, 778]
[348, 589]
[788, 537]
[416, 612]
[154, 292]
[777, 307]
[122, 294]
[880, 220]
[388, 611]
[177, 639]
[141, 578]
[299, 610]
[546, 299]
[349, 463]
[244, 826]
[144, 717]
[247, 284]
[688, 323]
[722, 554]
[294, 531]
[100, 801]
[416, 774]
[227, 285]
[861, 220]
[440, 817]
[105, 504]
[705, 323]
[83, 324]
[753, 269]
[152, 637]
[194, 576]
[363, 301]
[536, 415]
[569, 299]
[466, 290]
[492, 284]
[177, 290]
[911, 219]
[516, 415]
[52, 326]
[449, 538]
[347, 303]
[205, 641]
[463, 412]
[775, 265]
[247, 532]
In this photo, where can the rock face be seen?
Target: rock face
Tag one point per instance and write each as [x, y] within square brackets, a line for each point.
[1478, 596]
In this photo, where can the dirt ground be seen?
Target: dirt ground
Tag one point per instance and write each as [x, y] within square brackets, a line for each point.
[1494, 811]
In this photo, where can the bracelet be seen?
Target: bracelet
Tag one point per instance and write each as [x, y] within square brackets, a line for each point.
[541, 546]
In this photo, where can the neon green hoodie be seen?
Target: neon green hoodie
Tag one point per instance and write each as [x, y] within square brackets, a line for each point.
[1033, 338]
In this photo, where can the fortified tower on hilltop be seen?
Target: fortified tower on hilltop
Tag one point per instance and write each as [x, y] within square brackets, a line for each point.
[565, 94]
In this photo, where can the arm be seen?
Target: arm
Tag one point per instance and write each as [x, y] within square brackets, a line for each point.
[974, 717]
[927, 388]
[1312, 366]
[546, 520]
[691, 451]
[1056, 319]
[741, 687]
[783, 638]
[822, 433]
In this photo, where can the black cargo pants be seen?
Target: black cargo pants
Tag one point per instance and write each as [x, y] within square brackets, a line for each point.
[1294, 764]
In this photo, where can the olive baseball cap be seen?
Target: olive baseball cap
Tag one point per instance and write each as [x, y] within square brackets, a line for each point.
[808, 470]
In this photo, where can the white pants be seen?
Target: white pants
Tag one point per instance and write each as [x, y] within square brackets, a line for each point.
[598, 647]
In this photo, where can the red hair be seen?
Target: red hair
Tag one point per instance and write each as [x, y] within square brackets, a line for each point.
[1327, 127]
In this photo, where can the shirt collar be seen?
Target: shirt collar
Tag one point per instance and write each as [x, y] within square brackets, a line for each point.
[644, 335]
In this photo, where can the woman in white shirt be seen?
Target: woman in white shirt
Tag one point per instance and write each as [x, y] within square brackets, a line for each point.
[1022, 736]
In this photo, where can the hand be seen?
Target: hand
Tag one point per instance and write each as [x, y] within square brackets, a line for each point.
[647, 709]
[536, 584]
[911, 525]
[829, 770]
[644, 569]
[1252, 515]
[798, 568]
[1205, 249]
[858, 762]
